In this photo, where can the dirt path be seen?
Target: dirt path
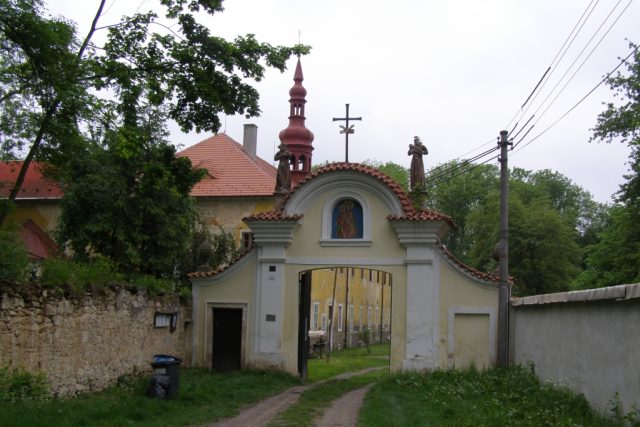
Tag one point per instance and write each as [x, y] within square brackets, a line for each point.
[267, 410]
[343, 412]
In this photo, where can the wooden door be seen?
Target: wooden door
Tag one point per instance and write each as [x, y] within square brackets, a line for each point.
[227, 339]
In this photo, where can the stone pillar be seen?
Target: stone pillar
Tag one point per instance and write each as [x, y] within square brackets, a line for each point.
[272, 237]
[422, 324]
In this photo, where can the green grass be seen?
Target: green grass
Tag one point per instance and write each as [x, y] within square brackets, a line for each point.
[205, 396]
[314, 401]
[349, 360]
[499, 397]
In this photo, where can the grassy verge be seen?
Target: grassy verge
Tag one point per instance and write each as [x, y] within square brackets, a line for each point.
[314, 401]
[204, 397]
[500, 397]
[352, 359]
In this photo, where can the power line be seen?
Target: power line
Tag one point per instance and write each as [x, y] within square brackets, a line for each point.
[436, 183]
[462, 155]
[561, 53]
[453, 168]
[578, 57]
[604, 79]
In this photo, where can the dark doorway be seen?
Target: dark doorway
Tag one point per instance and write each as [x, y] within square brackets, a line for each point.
[227, 339]
[303, 326]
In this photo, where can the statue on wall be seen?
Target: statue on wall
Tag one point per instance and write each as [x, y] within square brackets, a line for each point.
[283, 177]
[417, 150]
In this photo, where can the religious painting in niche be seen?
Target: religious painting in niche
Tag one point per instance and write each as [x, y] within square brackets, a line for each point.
[346, 220]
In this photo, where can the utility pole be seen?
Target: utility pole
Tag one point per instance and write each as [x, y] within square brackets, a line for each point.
[503, 287]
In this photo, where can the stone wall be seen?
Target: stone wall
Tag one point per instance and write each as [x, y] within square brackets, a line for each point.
[586, 340]
[85, 344]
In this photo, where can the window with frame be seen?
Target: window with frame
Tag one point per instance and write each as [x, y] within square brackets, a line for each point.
[316, 312]
[340, 318]
[246, 238]
[323, 324]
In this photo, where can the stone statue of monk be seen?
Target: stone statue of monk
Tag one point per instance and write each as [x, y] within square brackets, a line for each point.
[283, 177]
[417, 150]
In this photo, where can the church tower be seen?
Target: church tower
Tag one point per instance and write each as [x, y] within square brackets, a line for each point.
[296, 137]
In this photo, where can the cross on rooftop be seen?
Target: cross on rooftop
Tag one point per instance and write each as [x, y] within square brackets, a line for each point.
[346, 129]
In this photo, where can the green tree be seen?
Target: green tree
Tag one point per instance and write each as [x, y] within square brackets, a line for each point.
[458, 195]
[550, 219]
[543, 254]
[57, 92]
[615, 258]
[14, 261]
[397, 172]
[129, 201]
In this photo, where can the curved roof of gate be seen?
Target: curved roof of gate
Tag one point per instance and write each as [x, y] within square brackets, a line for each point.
[409, 212]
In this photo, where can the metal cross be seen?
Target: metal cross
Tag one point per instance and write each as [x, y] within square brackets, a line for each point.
[346, 129]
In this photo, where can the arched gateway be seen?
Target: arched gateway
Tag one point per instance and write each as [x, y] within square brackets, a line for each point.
[248, 315]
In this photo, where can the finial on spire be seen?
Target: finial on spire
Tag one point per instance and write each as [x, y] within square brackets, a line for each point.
[296, 138]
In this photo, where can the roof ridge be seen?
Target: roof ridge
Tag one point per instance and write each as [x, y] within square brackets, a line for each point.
[487, 277]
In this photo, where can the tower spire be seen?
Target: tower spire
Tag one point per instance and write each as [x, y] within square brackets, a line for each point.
[296, 137]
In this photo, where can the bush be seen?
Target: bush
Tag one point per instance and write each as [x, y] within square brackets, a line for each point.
[18, 385]
[14, 262]
[77, 277]
[152, 284]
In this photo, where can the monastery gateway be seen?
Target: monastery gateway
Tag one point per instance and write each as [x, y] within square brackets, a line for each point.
[257, 312]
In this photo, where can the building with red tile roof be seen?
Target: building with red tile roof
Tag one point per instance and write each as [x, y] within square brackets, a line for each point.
[237, 182]
[232, 171]
[38, 198]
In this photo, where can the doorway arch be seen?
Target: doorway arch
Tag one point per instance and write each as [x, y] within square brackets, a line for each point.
[342, 307]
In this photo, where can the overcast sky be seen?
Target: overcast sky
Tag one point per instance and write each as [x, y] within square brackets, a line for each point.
[453, 72]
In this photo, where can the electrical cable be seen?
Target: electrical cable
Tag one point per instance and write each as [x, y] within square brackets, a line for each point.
[461, 156]
[459, 165]
[560, 54]
[604, 79]
[578, 57]
[436, 183]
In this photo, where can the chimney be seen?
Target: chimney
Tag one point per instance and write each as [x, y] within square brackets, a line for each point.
[250, 140]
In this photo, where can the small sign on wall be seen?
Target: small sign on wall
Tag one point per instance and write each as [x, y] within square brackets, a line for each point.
[164, 320]
[271, 318]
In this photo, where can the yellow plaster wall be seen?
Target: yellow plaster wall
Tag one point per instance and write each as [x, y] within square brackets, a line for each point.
[44, 213]
[227, 212]
[384, 238]
[236, 288]
[471, 341]
[471, 330]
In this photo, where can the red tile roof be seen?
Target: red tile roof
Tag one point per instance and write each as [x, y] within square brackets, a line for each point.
[407, 205]
[487, 277]
[423, 215]
[272, 216]
[230, 170]
[35, 185]
[410, 213]
[204, 274]
[38, 243]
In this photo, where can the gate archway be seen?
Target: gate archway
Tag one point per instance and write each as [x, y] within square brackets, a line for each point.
[342, 307]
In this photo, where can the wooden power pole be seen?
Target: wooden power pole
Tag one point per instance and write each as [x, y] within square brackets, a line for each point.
[503, 287]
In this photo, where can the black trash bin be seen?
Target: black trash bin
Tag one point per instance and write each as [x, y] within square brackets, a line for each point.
[170, 366]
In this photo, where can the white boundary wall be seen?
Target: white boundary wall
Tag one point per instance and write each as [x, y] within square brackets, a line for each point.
[586, 340]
